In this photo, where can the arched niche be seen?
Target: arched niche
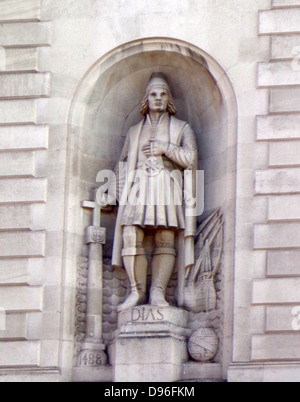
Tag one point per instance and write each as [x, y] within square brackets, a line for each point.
[106, 104]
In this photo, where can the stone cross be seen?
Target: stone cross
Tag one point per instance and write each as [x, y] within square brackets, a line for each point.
[93, 348]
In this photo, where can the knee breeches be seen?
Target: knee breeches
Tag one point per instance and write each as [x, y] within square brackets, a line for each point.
[133, 241]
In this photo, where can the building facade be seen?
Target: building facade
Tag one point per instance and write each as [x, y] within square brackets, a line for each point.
[72, 76]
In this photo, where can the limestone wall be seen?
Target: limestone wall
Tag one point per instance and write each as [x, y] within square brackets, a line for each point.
[29, 248]
[47, 49]
[275, 290]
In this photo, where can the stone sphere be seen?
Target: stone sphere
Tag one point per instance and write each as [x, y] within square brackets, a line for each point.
[203, 345]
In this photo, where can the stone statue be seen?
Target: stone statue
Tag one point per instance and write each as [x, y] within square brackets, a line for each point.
[150, 196]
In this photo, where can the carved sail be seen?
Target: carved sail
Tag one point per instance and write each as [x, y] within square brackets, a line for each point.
[200, 293]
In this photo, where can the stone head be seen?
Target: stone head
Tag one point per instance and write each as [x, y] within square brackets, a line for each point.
[158, 96]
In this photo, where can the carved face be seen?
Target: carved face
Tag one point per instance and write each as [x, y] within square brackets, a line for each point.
[158, 99]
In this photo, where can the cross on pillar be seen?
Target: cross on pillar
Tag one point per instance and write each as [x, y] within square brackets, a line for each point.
[93, 349]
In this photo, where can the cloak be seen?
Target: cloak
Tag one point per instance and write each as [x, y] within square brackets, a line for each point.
[180, 133]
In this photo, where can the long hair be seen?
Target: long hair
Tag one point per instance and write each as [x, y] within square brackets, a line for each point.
[144, 108]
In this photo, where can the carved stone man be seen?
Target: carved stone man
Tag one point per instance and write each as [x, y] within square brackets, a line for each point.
[151, 196]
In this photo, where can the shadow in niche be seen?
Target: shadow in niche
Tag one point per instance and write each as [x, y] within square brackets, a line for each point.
[107, 105]
[114, 108]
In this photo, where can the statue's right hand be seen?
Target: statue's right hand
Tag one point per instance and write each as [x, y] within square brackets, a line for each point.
[147, 150]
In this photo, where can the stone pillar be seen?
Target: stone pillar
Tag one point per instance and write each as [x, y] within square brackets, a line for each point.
[93, 348]
[150, 345]
[95, 238]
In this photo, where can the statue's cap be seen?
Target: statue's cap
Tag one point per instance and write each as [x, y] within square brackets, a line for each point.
[158, 80]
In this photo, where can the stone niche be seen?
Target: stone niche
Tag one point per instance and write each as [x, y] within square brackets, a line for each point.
[105, 106]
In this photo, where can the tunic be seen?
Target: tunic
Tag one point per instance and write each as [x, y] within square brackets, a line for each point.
[156, 197]
[133, 184]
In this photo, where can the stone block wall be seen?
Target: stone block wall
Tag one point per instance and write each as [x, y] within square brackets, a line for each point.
[274, 350]
[46, 48]
[29, 288]
[278, 292]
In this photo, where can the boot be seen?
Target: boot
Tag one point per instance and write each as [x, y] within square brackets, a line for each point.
[136, 268]
[162, 270]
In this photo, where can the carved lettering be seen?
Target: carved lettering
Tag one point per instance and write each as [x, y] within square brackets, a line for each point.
[160, 314]
[90, 359]
[135, 314]
[151, 313]
[146, 314]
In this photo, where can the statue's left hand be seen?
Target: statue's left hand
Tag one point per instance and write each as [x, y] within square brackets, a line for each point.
[158, 148]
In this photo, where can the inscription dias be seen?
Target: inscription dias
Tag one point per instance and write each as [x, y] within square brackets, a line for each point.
[147, 314]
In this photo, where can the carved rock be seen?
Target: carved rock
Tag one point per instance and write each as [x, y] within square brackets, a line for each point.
[203, 345]
[200, 292]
